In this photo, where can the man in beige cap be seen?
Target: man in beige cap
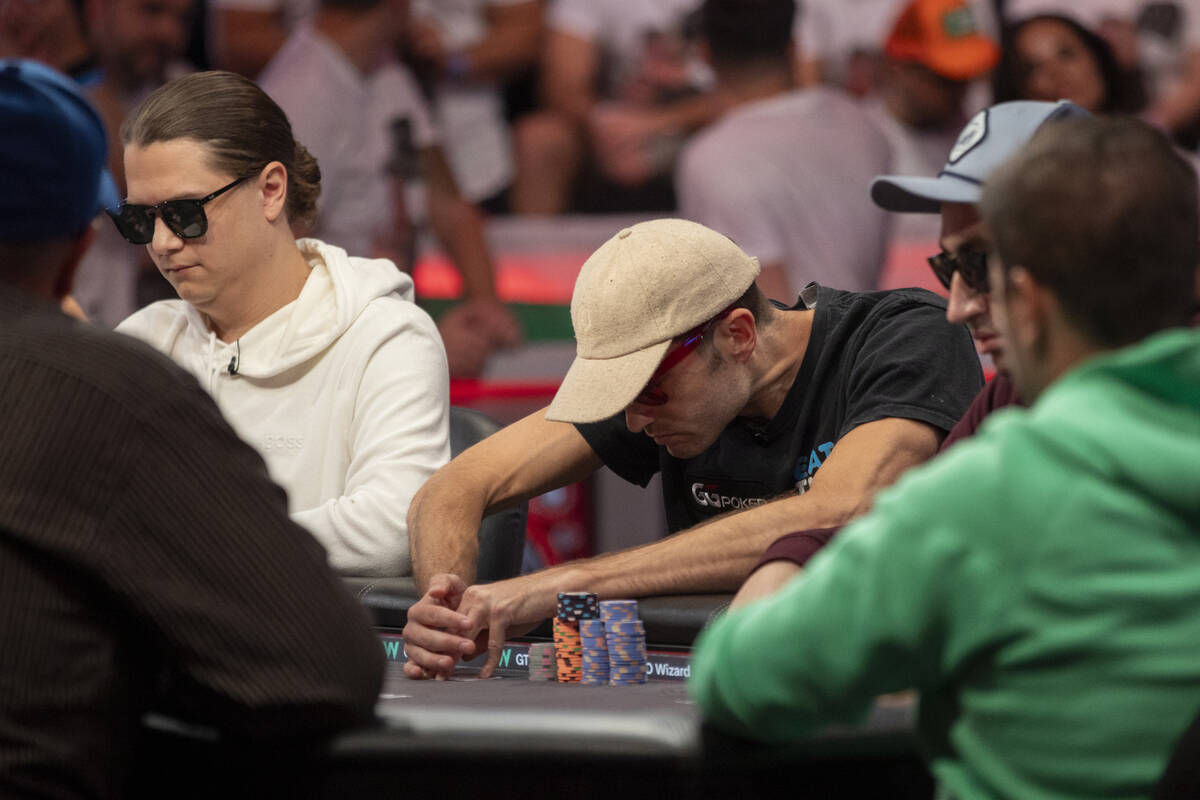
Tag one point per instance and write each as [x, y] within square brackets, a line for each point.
[859, 386]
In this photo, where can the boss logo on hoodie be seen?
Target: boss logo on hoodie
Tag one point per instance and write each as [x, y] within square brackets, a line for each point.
[281, 442]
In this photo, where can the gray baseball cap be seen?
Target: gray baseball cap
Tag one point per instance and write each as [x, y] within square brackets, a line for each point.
[986, 142]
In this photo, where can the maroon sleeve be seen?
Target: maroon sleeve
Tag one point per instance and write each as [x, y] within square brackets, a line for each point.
[797, 547]
[1000, 391]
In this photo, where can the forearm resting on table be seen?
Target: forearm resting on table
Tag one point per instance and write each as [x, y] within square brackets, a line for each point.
[896, 444]
[718, 555]
[712, 557]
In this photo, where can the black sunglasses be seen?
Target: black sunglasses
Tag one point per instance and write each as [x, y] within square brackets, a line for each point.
[971, 264]
[185, 218]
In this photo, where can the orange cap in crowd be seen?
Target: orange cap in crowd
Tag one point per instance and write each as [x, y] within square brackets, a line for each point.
[942, 35]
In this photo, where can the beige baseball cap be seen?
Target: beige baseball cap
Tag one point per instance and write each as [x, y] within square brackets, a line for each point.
[637, 292]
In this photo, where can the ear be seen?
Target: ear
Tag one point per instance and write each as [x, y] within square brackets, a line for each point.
[272, 183]
[739, 332]
[61, 286]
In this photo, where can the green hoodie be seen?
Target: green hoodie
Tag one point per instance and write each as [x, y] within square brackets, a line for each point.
[1039, 584]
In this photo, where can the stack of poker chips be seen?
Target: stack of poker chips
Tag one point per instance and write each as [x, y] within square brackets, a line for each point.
[595, 652]
[541, 662]
[626, 642]
[568, 646]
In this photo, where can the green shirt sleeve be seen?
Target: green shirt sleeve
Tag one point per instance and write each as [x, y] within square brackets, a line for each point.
[872, 614]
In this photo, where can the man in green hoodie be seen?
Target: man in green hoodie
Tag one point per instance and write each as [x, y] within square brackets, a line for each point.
[1037, 583]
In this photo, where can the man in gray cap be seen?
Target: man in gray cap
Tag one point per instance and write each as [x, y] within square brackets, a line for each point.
[991, 137]
[792, 417]
[142, 544]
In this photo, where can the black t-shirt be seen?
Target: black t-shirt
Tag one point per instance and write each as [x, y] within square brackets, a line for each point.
[871, 355]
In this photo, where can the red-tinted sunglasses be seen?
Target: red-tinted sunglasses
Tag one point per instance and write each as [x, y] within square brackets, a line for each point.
[653, 395]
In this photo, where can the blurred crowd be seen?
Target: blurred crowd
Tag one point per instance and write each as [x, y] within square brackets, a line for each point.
[435, 115]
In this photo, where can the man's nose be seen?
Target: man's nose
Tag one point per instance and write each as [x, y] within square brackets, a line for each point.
[165, 240]
[637, 417]
[964, 302]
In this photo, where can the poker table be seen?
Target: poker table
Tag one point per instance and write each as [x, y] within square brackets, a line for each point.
[509, 736]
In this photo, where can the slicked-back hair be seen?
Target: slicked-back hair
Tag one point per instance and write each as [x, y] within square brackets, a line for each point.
[743, 33]
[1103, 212]
[242, 128]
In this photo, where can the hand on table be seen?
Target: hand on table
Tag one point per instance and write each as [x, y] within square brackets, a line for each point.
[501, 610]
[454, 621]
[431, 635]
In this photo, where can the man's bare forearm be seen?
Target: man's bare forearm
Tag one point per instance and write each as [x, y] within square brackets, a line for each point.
[712, 557]
[443, 527]
[716, 556]
[525, 459]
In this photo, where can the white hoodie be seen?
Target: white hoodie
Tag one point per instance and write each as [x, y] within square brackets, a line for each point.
[344, 392]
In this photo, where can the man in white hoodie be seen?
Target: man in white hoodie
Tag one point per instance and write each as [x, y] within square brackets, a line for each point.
[319, 360]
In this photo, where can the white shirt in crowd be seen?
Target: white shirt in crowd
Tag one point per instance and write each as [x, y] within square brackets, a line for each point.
[629, 34]
[470, 116]
[351, 123]
[787, 178]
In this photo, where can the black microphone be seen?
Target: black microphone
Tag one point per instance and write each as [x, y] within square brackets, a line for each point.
[233, 360]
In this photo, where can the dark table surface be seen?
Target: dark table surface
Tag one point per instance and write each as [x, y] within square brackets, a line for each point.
[658, 716]
[510, 737]
[592, 740]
